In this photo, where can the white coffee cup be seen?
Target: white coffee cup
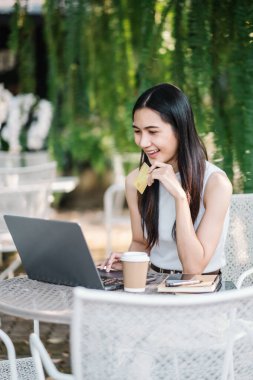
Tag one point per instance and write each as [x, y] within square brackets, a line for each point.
[135, 269]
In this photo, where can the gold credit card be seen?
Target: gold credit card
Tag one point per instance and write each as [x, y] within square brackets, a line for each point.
[141, 181]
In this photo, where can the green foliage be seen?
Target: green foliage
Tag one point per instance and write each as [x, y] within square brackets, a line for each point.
[98, 57]
[86, 143]
[213, 64]
[103, 53]
[241, 91]
[231, 87]
[21, 42]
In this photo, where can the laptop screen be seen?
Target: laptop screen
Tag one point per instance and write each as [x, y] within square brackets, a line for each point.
[53, 251]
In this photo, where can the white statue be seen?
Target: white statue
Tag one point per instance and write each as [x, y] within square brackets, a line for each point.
[5, 99]
[15, 111]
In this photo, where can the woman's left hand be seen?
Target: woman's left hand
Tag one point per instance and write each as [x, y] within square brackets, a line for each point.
[166, 175]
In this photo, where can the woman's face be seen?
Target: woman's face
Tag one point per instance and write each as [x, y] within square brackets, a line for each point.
[155, 137]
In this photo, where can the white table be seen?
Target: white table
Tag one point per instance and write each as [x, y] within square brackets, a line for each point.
[30, 299]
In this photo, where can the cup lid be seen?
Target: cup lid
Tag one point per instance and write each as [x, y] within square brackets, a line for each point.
[135, 256]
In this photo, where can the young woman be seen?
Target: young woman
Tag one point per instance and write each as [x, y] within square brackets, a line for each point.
[181, 219]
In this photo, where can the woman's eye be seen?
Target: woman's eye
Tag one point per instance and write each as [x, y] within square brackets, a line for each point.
[136, 131]
[152, 132]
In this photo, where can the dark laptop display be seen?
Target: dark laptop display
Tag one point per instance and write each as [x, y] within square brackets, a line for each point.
[56, 252]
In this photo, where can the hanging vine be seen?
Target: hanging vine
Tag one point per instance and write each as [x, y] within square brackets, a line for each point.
[241, 98]
[102, 53]
[22, 43]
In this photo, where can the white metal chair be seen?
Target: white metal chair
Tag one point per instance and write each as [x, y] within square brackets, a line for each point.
[9, 160]
[36, 158]
[16, 369]
[25, 200]
[114, 196]
[239, 243]
[17, 166]
[155, 337]
[15, 176]
[12, 159]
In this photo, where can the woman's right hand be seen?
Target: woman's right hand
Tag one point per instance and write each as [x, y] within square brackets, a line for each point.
[112, 262]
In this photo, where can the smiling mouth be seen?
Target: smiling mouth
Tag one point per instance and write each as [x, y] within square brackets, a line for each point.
[151, 152]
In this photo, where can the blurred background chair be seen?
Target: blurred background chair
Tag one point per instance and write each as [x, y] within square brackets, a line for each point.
[129, 336]
[35, 158]
[114, 196]
[10, 159]
[239, 243]
[16, 176]
[26, 200]
[25, 162]
[27, 189]
[16, 369]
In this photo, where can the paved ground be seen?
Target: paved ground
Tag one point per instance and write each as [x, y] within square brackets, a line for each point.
[56, 337]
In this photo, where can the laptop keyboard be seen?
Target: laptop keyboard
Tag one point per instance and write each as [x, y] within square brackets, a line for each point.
[112, 283]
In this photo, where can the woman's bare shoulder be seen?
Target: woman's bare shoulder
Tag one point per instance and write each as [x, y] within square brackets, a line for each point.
[218, 188]
[219, 180]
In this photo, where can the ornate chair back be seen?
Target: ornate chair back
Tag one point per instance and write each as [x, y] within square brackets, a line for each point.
[239, 243]
[152, 337]
[13, 368]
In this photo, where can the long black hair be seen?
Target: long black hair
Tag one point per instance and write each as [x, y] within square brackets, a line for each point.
[174, 108]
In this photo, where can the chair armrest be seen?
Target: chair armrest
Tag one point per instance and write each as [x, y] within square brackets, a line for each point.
[10, 353]
[242, 277]
[42, 358]
[9, 271]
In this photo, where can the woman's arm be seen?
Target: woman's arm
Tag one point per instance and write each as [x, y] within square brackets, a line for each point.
[195, 249]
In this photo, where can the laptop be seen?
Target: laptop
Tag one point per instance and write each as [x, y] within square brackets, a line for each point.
[56, 252]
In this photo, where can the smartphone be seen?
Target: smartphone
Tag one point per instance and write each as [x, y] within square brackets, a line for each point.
[178, 279]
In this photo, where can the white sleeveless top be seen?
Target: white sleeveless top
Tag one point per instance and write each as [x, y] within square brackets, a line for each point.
[164, 254]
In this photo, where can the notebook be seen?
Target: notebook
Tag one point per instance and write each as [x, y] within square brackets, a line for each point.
[208, 283]
[56, 252]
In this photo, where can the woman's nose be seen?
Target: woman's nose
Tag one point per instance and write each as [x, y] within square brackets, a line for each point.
[144, 141]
